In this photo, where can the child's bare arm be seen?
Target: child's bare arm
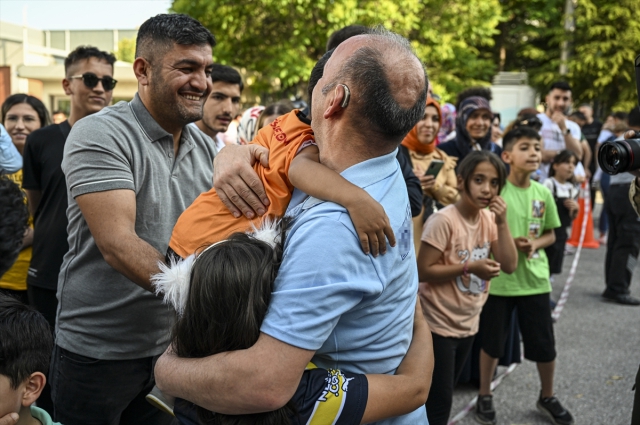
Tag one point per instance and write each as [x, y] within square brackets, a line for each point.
[547, 238]
[371, 222]
[430, 271]
[504, 248]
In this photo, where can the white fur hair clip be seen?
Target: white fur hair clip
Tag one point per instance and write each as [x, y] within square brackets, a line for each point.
[172, 283]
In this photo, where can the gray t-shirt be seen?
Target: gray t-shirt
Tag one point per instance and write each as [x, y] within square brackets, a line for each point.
[101, 313]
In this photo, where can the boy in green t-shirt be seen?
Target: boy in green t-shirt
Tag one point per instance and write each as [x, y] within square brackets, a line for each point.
[531, 216]
[25, 349]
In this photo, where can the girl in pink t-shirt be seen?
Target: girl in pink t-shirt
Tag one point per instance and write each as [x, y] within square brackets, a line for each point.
[455, 270]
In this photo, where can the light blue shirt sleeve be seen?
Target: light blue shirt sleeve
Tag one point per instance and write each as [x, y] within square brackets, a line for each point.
[324, 274]
[10, 158]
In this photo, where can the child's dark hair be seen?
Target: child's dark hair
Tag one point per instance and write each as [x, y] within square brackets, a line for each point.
[561, 157]
[471, 161]
[25, 341]
[229, 294]
[13, 222]
[517, 133]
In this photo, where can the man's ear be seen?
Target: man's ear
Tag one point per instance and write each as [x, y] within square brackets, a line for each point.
[35, 384]
[337, 99]
[66, 86]
[142, 68]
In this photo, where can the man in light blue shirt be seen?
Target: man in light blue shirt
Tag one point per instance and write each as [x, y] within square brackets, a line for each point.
[10, 158]
[332, 304]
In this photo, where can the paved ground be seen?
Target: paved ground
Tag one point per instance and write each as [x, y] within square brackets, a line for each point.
[598, 346]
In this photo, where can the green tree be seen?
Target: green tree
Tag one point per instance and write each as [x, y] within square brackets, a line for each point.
[279, 41]
[606, 42]
[126, 50]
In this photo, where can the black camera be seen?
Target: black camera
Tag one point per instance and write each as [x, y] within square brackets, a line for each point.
[622, 155]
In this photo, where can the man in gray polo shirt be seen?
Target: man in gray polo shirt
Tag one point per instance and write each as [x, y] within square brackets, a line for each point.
[131, 170]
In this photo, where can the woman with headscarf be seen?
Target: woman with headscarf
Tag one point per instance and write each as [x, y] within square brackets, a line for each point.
[473, 129]
[447, 123]
[420, 147]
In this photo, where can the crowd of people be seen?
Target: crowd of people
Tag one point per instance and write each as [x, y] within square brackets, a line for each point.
[172, 260]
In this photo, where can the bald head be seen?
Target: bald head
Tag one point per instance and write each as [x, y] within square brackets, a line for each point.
[387, 82]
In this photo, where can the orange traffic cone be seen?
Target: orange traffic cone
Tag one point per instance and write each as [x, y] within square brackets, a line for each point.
[589, 240]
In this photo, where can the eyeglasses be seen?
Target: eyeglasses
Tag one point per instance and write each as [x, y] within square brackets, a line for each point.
[91, 80]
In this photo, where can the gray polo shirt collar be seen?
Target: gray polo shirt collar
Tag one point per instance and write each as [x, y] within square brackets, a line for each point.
[148, 124]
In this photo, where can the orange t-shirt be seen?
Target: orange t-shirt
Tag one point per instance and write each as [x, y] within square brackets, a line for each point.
[452, 308]
[207, 220]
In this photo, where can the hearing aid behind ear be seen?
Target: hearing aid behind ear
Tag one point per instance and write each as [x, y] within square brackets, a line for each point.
[347, 95]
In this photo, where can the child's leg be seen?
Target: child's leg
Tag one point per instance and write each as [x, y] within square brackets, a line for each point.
[488, 366]
[494, 326]
[441, 393]
[536, 326]
[546, 372]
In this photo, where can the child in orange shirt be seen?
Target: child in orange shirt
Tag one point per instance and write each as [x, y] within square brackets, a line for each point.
[293, 162]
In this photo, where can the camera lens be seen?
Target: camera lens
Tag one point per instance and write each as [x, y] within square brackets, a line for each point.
[619, 156]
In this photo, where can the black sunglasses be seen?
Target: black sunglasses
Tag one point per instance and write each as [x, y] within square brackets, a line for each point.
[531, 121]
[91, 80]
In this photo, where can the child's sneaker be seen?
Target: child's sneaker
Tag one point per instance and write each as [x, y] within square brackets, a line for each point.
[551, 407]
[485, 414]
[161, 401]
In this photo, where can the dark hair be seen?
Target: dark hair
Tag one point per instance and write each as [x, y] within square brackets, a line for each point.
[578, 115]
[317, 72]
[226, 74]
[527, 120]
[473, 91]
[278, 109]
[496, 115]
[372, 99]
[517, 133]
[470, 162]
[32, 101]
[344, 34]
[13, 222]
[229, 294]
[634, 117]
[622, 116]
[560, 85]
[158, 34]
[561, 157]
[86, 52]
[25, 341]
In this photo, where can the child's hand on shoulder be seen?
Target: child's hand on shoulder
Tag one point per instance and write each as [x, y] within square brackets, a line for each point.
[499, 208]
[371, 223]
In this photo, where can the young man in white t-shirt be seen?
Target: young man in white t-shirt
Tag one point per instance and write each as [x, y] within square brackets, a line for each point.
[558, 133]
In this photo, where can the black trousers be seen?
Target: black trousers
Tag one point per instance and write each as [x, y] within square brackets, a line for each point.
[89, 391]
[45, 301]
[450, 355]
[623, 243]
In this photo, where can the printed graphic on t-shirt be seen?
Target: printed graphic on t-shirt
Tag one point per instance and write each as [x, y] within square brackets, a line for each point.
[537, 208]
[473, 284]
[534, 230]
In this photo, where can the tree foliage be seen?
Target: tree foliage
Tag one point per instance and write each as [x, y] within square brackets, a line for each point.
[461, 42]
[126, 50]
[280, 40]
